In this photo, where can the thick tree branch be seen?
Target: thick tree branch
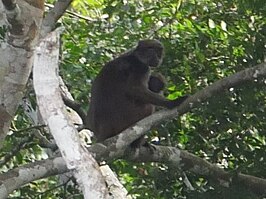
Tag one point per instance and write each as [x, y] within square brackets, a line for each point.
[20, 176]
[187, 161]
[23, 21]
[53, 112]
[169, 155]
[53, 15]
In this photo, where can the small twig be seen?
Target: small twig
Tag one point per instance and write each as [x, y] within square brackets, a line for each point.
[39, 127]
[53, 188]
[73, 14]
[36, 132]
[16, 149]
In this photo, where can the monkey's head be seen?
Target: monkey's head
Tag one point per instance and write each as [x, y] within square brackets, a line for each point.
[150, 52]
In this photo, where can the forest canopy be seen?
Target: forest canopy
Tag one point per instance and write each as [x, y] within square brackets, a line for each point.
[215, 52]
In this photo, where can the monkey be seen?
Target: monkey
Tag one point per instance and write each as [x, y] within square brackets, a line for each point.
[125, 92]
[156, 84]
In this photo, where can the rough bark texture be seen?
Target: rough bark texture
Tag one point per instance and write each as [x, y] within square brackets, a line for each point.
[51, 106]
[53, 15]
[20, 176]
[23, 20]
[169, 155]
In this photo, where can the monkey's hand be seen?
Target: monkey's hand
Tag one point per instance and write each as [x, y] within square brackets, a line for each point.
[174, 103]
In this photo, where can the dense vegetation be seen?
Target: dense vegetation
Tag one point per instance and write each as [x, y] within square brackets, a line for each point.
[204, 41]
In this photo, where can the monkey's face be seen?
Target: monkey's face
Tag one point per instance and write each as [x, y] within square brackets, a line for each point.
[150, 52]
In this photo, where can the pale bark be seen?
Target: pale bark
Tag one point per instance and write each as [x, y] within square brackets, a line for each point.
[23, 20]
[53, 15]
[15, 178]
[186, 161]
[46, 85]
[179, 159]
[115, 188]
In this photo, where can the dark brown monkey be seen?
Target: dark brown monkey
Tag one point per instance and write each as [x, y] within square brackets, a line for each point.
[124, 92]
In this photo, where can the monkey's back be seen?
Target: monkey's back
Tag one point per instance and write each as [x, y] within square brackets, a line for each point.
[111, 109]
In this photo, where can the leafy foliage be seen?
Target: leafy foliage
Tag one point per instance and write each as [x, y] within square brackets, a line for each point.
[204, 41]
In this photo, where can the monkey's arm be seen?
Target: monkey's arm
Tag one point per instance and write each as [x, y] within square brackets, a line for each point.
[145, 95]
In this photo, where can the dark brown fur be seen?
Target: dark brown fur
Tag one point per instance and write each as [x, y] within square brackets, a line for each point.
[124, 92]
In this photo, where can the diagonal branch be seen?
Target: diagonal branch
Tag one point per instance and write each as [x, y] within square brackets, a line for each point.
[53, 112]
[16, 52]
[120, 142]
[53, 15]
[15, 178]
[190, 162]
[169, 155]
